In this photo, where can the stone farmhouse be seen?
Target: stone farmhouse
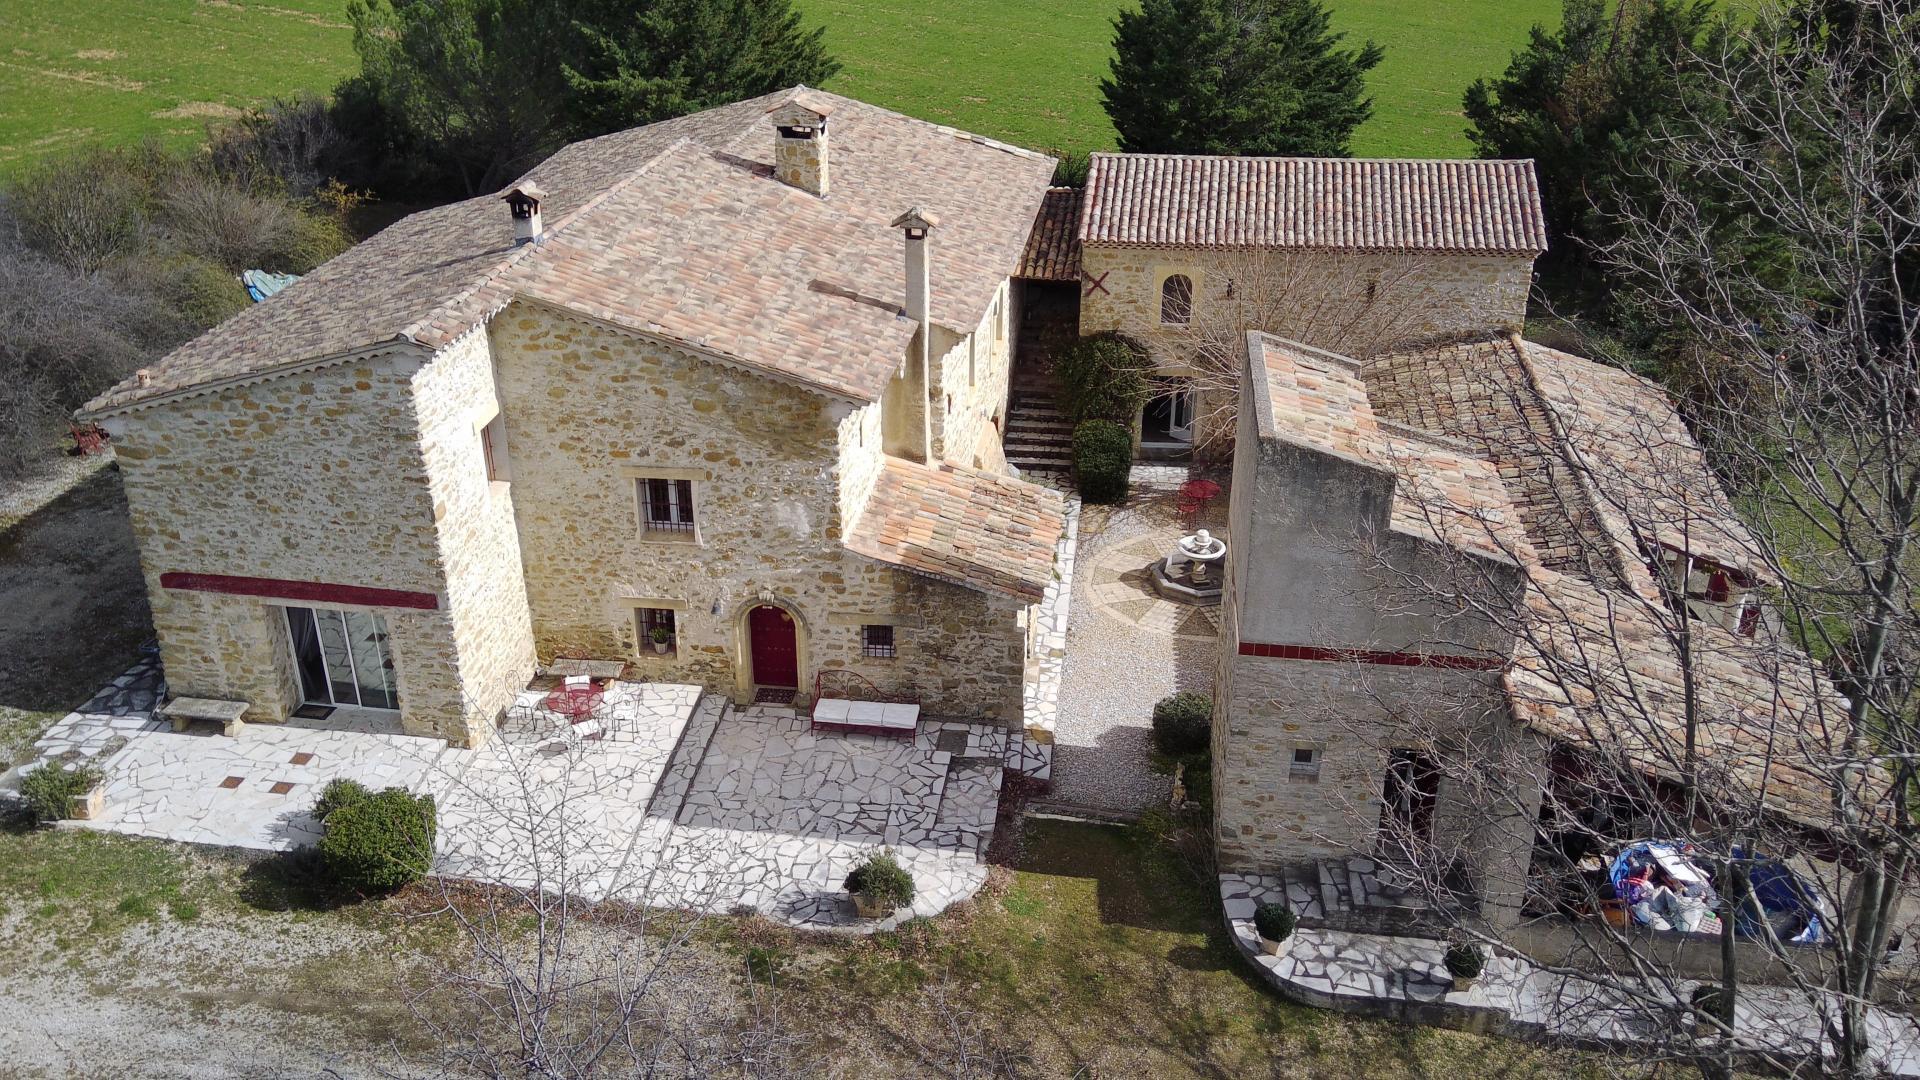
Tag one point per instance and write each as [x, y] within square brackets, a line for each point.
[1567, 502]
[721, 399]
[680, 387]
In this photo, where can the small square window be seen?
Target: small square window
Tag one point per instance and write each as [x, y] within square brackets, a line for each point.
[1306, 763]
[656, 628]
[666, 506]
[876, 640]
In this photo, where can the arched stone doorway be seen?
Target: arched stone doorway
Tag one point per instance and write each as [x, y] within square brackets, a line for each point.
[772, 649]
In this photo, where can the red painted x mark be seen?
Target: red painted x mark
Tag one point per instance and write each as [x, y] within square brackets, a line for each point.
[1095, 283]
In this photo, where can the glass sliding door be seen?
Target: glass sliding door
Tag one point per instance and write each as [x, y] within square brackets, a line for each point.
[343, 657]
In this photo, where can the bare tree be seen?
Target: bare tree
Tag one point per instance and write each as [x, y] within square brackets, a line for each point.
[1355, 305]
[571, 961]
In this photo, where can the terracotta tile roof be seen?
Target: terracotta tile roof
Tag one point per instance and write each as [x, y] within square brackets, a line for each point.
[979, 529]
[1179, 200]
[1598, 668]
[1596, 662]
[1053, 248]
[1598, 460]
[803, 291]
[1442, 493]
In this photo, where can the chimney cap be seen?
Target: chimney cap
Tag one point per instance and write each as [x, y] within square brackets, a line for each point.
[803, 109]
[917, 218]
[529, 191]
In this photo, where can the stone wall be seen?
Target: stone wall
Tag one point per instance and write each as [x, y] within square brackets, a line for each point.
[1308, 529]
[1343, 302]
[973, 372]
[480, 548]
[588, 410]
[311, 477]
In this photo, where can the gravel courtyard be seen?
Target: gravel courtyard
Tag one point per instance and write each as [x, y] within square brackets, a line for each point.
[1126, 649]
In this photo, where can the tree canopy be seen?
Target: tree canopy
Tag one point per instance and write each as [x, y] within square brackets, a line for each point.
[464, 95]
[1261, 77]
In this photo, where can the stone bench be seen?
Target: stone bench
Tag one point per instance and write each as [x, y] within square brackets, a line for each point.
[185, 710]
[597, 670]
[866, 717]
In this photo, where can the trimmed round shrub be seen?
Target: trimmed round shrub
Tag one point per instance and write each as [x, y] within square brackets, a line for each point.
[1102, 460]
[339, 793]
[49, 790]
[1465, 960]
[379, 843]
[1104, 377]
[1183, 723]
[1275, 922]
[882, 877]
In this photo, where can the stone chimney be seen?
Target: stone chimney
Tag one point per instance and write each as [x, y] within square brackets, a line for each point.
[800, 142]
[912, 409]
[524, 201]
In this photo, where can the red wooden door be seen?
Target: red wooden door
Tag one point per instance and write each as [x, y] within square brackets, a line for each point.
[776, 654]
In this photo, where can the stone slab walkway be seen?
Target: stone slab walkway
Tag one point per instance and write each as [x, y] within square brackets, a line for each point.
[680, 800]
[1405, 978]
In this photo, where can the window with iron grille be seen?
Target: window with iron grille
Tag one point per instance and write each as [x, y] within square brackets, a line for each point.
[666, 506]
[649, 620]
[876, 640]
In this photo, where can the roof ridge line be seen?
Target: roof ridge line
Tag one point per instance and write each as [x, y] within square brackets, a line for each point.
[522, 252]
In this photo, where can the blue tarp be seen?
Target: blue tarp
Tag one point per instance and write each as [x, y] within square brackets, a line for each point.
[261, 284]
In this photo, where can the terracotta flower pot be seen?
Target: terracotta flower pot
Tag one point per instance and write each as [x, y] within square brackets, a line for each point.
[660, 647]
[871, 907]
[1462, 984]
[1272, 947]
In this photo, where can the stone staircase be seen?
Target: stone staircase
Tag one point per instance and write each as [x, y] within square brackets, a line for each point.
[1039, 438]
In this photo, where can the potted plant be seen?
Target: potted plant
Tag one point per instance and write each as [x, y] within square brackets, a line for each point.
[1465, 962]
[54, 792]
[880, 886]
[1274, 923]
[660, 638]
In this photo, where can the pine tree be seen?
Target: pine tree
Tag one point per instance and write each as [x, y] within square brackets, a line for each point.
[1262, 77]
[639, 61]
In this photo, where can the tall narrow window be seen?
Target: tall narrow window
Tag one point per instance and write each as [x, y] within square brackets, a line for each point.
[1176, 300]
[493, 448]
[666, 506]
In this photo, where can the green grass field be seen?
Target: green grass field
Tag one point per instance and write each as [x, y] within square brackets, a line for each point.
[1025, 71]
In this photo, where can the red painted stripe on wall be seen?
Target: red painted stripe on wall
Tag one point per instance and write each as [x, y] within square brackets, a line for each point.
[312, 591]
[1368, 656]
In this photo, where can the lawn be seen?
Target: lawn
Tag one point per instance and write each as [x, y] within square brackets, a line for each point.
[1026, 71]
[118, 70]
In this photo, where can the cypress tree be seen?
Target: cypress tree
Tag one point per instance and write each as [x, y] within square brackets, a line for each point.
[1261, 77]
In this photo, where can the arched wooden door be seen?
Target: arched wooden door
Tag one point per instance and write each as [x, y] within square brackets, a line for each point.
[776, 648]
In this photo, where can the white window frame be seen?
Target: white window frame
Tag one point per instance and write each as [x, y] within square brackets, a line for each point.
[1308, 770]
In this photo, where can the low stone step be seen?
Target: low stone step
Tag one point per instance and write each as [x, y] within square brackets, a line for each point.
[1031, 450]
[1039, 423]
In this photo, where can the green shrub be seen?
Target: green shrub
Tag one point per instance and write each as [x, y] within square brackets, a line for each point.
[378, 843]
[1104, 377]
[1465, 960]
[339, 793]
[49, 790]
[1183, 723]
[1275, 922]
[881, 877]
[1102, 460]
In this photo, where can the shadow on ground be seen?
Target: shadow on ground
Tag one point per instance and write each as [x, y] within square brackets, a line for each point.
[73, 604]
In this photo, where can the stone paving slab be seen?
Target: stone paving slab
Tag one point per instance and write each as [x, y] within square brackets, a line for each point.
[1405, 977]
[254, 791]
[681, 801]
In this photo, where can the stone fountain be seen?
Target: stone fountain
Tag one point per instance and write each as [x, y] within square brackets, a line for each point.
[1192, 572]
